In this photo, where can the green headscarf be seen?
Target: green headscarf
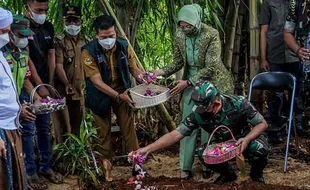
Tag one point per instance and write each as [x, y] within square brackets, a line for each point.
[191, 14]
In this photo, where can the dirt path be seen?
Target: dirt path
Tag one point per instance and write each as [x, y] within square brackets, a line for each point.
[167, 164]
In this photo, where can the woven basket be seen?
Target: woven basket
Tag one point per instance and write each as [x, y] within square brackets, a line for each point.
[212, 159]
[42, 108]
[141, 101]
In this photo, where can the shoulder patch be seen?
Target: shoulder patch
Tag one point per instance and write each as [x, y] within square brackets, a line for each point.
[87, 61]
[61, 36]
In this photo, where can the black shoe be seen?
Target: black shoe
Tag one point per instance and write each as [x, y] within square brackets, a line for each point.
[300, 130]
[307, 158]
[225, 179]
[258, 179]
[206, 174]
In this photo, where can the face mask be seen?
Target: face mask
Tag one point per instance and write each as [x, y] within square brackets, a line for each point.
[73, 30]
[107, 43]
[20, 42]
[38, 18]
[4, 39]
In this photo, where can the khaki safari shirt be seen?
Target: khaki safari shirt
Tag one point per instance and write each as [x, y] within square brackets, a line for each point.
[91, 68]
[68, 53]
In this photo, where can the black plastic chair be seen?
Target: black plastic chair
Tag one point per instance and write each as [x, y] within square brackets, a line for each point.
[277, 81]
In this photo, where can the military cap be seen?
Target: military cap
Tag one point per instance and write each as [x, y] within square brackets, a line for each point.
[203, 95]
[22, 25]
[72, 11]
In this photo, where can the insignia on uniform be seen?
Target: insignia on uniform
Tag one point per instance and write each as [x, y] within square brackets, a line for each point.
[23, 63]
[10, 62]
[87, 61]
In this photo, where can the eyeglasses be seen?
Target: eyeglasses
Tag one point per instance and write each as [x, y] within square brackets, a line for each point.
[189, 27]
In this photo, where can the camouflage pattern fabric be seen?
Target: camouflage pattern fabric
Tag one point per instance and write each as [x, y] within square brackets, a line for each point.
[209, 59]
[237, 113]
[298, 19]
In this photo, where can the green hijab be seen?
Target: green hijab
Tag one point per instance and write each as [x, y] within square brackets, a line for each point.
[191, 14]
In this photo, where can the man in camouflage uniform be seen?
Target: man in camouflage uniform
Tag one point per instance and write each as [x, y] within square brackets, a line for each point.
[213, 109]
[69, 69]
[296, 34]
[197, 49]
[297, 24]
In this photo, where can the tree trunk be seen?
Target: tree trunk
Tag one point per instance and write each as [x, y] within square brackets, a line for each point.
[231, 21]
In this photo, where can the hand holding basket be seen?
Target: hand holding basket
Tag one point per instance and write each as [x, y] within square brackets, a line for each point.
[221, 152]
[48, 104]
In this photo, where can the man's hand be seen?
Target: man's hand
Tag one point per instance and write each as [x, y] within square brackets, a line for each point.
[125, 97]
[69, 89]
[244, 143]
[144, 151]
[181, 85]
[43, 92]
[303, 54]
[26, 114]
[264, 65]
[2, 149]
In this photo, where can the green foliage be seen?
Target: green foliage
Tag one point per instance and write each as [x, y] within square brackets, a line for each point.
[74, 155]
[154, 33]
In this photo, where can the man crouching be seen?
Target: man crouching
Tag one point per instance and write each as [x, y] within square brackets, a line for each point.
[213, 109]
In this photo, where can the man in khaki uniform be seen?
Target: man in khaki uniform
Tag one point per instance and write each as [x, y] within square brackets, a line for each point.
[70, 75]
[108, 63]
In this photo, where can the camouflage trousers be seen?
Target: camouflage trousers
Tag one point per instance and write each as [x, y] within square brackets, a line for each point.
[256, 153]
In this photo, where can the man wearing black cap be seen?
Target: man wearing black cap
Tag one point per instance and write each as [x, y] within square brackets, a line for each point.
[69, 70]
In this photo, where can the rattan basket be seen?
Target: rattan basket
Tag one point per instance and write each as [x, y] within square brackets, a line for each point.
[212, 159]
[41, 108]
[141, 101]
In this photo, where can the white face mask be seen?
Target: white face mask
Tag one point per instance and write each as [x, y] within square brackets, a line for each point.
[107, 43]
[4, 39]
[20, 42]
[38, 18]
[73, 30]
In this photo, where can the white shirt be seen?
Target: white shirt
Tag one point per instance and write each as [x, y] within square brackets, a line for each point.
[9, 103]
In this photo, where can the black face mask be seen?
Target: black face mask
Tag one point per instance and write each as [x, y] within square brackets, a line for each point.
[208, 115]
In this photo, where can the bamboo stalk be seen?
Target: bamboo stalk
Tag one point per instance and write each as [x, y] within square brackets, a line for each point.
[120, 29]
[231, 31]
[161, 108]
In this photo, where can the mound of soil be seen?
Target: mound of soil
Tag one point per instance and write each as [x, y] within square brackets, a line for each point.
[166, 183]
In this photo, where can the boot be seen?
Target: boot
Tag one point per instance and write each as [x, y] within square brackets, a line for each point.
[227, 174]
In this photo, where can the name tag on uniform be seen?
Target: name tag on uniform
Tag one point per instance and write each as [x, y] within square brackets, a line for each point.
[23, 63]
[100, 58]
[48, 37]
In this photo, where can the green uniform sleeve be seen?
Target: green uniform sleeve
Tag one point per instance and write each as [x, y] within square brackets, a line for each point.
[188, 125]
[251, 114]
[178, 61]
[212, 59]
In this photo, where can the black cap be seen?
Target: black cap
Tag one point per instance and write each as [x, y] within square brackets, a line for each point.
[72, 11]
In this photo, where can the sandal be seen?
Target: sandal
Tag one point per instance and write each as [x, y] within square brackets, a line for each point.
[35, 183]
[53, 176]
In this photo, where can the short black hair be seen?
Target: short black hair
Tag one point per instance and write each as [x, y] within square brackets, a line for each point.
[32, 1]
[103, 22]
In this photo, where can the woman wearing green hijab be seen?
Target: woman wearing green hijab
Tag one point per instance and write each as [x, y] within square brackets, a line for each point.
[197, 49]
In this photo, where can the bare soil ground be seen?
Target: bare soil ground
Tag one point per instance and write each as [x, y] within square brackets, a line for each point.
[164, 171]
